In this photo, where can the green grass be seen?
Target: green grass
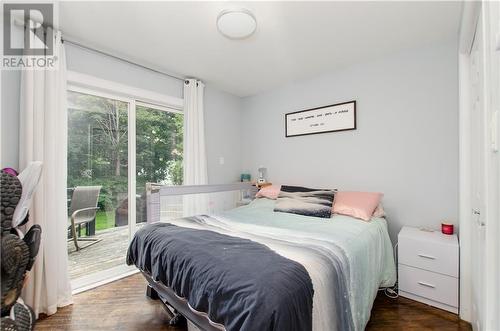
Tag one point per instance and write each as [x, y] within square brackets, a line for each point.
[104, 220]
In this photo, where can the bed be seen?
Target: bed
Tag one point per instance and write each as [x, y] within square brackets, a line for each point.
[345, 260]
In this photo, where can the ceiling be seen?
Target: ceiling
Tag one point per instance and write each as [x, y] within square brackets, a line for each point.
[293, 41]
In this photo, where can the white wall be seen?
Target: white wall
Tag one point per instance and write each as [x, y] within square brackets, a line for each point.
[405, 146]
[217, 105]
[101, 66]
[223, 135]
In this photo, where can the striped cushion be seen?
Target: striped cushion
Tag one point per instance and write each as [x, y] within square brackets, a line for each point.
[305, 201]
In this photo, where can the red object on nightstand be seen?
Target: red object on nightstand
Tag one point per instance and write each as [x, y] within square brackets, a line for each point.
[447, 228]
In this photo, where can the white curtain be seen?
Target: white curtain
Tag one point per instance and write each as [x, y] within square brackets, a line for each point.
[195, 157]
[43, 137]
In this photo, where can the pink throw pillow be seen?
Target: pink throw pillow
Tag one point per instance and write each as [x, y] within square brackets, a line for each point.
[270, 192]
[356, 204]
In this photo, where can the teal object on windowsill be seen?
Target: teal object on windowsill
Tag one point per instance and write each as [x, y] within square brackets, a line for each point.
[245, 177]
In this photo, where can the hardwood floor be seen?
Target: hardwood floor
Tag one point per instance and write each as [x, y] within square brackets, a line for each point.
[122, 305]
[406, 314]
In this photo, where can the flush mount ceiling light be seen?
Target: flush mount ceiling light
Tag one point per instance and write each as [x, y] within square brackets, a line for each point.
[236, 23]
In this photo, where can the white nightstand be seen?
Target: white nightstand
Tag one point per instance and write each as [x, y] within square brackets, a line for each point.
[428, 267]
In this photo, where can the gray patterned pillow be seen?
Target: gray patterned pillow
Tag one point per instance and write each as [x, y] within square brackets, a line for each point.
[305, 201]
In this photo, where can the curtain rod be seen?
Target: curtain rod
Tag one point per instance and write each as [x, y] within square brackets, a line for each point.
[20, 22]
[78, 44]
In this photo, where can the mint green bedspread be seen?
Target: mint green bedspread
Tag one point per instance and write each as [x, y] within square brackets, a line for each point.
[366, 245]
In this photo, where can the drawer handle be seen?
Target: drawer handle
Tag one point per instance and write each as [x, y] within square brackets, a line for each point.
[427, 256]
[427, 285]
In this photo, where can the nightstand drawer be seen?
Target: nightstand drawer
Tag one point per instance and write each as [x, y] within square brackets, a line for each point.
[429, 255]
[437, 287]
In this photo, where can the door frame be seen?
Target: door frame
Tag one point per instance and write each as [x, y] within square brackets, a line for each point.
[491, 14]
[82, 83]
[470, 17]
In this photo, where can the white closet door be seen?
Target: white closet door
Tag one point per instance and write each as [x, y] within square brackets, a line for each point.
[478, 178]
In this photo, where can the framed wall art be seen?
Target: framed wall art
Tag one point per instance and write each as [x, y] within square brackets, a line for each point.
[332, 118]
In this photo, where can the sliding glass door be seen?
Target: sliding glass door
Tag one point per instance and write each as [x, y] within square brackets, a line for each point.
[159, 141]
[97, 157]
[107, 134]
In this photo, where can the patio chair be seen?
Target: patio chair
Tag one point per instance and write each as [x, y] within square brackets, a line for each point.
[83, 210]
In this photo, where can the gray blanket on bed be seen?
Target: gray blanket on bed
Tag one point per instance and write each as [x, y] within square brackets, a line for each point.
[239, 283]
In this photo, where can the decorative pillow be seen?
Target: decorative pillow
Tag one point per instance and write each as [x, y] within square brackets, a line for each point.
[305, 201]
[379, 211]
[357, 204]
[270, 192]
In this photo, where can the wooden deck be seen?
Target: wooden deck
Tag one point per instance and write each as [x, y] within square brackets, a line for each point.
[112, 249]
[108, 253]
